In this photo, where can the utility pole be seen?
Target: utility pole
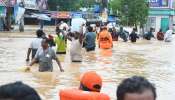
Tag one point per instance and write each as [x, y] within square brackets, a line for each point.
[7, 19]
[21, 23]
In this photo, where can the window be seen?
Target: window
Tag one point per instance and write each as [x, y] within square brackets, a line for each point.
[174, 4]
[165, 3]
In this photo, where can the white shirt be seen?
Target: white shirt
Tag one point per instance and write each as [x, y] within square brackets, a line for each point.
[77, 24]
[98, 30]
[64, 25]
[76, 50]
[36, 43]
[84, 29]
[168, 36]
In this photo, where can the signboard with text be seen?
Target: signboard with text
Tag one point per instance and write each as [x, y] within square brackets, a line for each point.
[30, 4]
[42, 4]
[159, 3]
[7, 2]
[155, 3]
[61, 15]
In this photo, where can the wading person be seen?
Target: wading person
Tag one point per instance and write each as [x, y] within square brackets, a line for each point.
[76, 46]
[149, 35]
[114, 34]
[44, 56]
[105, 39]
[61, 41]
[136, 88]
[133, 36]
[35, 44]
[123, 34]
[160, 35]
[169, 35]
[90, 87]
[90, 39]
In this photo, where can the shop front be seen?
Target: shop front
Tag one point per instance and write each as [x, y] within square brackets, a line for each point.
[161, 15]
[61, 16]
[2, 17]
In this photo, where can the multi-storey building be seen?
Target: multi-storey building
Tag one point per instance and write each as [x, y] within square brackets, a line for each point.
[161, 15]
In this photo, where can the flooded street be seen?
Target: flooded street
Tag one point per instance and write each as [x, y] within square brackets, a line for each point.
[151, 59]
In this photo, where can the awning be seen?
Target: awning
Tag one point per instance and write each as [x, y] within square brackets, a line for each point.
[61, 15]
[161, 12]
[42, 17]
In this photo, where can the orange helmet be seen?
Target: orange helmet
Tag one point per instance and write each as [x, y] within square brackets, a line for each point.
[92, 81]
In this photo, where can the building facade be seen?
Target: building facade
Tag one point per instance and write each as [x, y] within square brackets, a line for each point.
[161, 15]
[6, 7]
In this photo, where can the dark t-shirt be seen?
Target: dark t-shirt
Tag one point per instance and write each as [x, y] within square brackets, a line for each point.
[133, 37]
[149, 35]
[90, 39]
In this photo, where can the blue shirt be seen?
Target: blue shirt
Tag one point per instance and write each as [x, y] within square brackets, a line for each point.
[90, 40]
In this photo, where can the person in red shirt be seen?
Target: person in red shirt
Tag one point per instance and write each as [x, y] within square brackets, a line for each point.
[160, 35]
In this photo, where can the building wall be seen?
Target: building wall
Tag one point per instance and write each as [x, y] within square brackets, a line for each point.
[160, 12]
[156, 22]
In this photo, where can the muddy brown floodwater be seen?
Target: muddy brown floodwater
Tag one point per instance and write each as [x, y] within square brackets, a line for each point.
[154, 60]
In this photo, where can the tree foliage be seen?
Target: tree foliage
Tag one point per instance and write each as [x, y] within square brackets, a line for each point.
[116, 6]
[131, 12]
[87, 3]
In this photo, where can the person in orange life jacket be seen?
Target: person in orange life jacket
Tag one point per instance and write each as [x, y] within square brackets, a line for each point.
[35, 44]
[105, 39]
[91, 81]
[160, 35]
[90, 86]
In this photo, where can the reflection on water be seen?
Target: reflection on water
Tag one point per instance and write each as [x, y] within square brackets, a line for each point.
[152, 59]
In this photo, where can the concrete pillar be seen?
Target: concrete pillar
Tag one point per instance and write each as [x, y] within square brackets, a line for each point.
[171, 22]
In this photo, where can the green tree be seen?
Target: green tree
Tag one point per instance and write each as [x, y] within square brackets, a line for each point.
[87, 3]
[116, 6]
[64, 5]
[132, 12]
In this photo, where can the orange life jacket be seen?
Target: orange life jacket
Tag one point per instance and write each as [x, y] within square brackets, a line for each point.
[105, 40]
[75, 94]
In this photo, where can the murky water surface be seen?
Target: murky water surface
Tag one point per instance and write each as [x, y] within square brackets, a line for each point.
[153, 59]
